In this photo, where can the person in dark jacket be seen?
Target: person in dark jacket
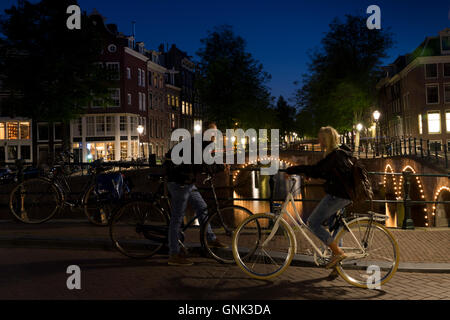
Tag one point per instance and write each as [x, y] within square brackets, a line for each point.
[333, 169]
[181, 186]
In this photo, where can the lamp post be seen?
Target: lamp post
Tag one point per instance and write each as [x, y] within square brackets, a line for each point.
[376, 116]
[140, 130]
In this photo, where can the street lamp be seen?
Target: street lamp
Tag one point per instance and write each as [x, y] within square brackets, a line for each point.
[376, 116]
[140, 130]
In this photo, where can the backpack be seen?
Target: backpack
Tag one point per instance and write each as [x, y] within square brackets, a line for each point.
[357, 184]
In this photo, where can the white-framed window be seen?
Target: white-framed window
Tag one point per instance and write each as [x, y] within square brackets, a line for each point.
[431, 71]
[432, 93]
[434, 122]
[143, 101]
[90, 125]
[123, 124]
[150, 101]
[77, 127]
[110, 125]
[446, 71]
[100, 125]
[129, 99]
[128, 73]
[447, 92]
[115, 97]
[143, 78]
[140, 101]
[139, 77]
[447, 120]
[114, 67]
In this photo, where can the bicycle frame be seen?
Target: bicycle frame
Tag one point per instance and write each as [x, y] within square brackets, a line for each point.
[302, 225]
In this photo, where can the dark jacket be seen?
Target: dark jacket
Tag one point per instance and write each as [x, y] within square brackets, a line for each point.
[334, 168]
[186, 173]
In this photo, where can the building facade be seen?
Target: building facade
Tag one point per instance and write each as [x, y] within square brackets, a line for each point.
[414, 97]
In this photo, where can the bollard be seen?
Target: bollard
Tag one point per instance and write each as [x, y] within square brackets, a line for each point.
[408, 223]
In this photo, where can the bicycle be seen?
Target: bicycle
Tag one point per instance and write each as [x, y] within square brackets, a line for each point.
[37, 200]
[139, 228]
[364, 240]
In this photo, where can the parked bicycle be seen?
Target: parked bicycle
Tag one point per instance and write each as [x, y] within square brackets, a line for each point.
[140, 227]
[265, 244]
[37, 200]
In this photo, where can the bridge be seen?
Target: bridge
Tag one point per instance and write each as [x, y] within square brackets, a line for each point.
[427, 187]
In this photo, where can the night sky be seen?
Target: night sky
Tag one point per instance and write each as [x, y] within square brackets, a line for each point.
[279, 33]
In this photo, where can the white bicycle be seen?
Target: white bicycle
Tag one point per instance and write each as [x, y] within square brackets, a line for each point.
[264, 244]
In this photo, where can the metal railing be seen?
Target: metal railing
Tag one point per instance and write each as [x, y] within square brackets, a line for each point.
[407, 202]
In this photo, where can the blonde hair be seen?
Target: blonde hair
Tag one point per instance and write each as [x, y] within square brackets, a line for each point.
[331, 137]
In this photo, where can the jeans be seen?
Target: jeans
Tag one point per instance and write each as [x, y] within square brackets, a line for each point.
[328, 206]
[180, 195]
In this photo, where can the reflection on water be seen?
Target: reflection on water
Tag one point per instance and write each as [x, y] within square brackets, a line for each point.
[251, 184]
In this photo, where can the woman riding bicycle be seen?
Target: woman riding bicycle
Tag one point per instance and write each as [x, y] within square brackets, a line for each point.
[332, 168]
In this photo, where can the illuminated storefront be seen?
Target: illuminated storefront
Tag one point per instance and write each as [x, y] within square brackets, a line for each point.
[111, 137]
[15, 140]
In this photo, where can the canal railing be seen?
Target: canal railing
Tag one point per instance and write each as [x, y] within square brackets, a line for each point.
[407, 202]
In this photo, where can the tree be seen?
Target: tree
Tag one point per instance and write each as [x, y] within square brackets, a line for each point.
[232, 83]
[48, 69]
[341, 84]
[286, 116]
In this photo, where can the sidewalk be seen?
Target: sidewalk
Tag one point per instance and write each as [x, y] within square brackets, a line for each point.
[421, 250]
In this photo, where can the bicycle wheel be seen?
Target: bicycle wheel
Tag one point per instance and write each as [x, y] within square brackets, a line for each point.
[98, 210]
[138, 229]
[35, 200]
[222, 224]
[378, 252]
[271, 241]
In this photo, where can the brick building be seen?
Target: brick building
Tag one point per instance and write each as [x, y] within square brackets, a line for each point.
[414, 96]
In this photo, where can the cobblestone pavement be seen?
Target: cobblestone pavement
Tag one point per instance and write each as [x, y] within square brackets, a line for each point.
[420, 245]
[41, 274]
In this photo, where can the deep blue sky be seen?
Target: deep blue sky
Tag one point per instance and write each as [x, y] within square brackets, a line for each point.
[279, 33]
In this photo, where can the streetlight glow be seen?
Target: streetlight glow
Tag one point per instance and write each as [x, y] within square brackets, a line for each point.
[376, 115]
[140, 129]
[359, 127]
[197, 128]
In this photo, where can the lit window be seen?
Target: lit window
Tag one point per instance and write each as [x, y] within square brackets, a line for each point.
[2, 131]
[434, 122]
[13, 130]
[420, 124]
[173, 100]
[168, 99]
[129, 99]
[447, 120]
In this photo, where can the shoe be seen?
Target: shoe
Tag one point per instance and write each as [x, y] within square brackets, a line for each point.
[216, 244]
[335, 260]
[179, 260]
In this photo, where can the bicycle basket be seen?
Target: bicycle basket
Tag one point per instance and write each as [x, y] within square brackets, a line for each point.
[110, 186]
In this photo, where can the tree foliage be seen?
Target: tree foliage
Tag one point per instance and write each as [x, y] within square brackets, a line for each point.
[232, 83]
[341, 84]
[48, 69]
